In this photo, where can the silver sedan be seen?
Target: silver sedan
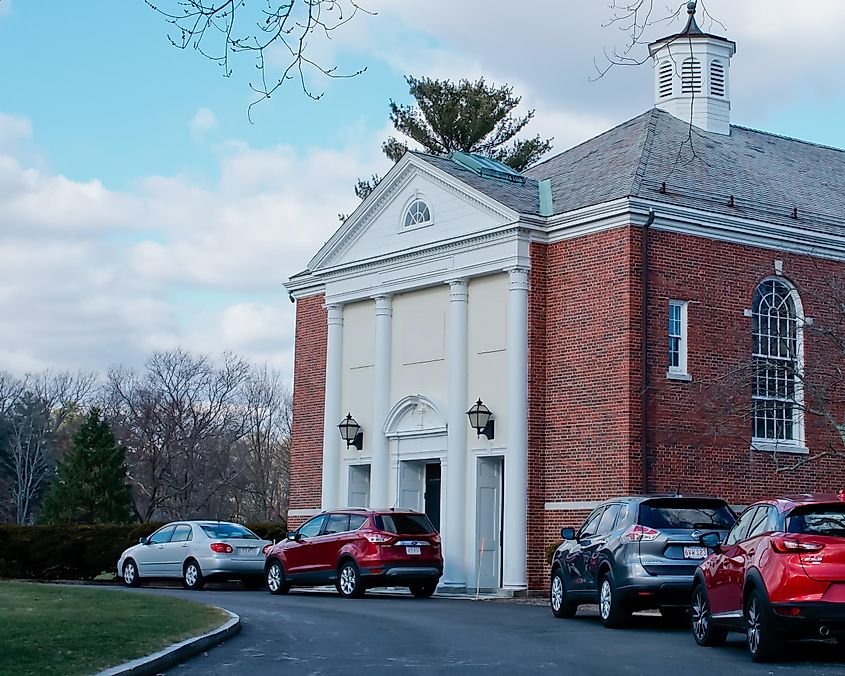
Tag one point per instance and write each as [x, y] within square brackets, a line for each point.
[195, 551]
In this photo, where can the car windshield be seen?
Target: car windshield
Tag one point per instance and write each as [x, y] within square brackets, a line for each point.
[406, 524]
[817, 520]
[686, 514]
[228, 531]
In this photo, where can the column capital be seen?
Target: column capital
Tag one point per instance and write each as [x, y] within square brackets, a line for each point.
[335, 314]
[458, 290]
[384, 304]
[518, 278]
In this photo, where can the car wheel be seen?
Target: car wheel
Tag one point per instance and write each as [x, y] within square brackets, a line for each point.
[192, 576]
[275, 579]
[423, 590]
[704, 631]
[612, 609]
[558, 598]
[349, 582]
[764, 643]
[130, 574]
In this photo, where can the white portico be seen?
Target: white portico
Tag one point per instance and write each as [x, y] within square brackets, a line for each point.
[426, 291]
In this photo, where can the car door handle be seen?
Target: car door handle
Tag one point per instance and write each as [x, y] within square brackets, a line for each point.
[184, 546]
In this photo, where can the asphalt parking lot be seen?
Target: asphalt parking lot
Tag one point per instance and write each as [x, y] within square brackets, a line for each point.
[309, 632]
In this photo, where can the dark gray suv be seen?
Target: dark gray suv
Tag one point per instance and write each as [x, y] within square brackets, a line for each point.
[635, 553]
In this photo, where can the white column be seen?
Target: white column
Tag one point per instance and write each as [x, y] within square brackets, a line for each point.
[455, 573]
[333, 415]
[379, 467]
[516, 460]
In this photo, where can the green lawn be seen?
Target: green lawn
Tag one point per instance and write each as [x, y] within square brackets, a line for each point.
[50, 629]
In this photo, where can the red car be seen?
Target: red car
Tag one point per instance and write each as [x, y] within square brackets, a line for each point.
[356, 549]
[779, 575]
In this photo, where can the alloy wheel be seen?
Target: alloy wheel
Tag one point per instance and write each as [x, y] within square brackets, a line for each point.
[557, 593]
[347, 580]
[274, 578]
[191, 574]
[129, 573]
[700, 615]
[605, 599]
[752, 621]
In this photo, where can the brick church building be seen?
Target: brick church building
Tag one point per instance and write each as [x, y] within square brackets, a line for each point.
[602, 305]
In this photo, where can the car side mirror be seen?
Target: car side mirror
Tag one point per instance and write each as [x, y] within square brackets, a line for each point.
[143, 540]
[711, 541]
[567, 533]
[293, 535]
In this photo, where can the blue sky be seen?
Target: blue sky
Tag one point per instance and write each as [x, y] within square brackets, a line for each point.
[140, 209]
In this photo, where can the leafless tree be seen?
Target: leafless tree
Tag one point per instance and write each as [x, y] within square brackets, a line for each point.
[278, 34]
[34, 412]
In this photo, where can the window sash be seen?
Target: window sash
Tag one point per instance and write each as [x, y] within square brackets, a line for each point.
[677, 333]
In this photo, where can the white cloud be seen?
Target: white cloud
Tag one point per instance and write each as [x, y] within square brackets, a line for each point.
[203, 121]
[92, 277]
[5, 7]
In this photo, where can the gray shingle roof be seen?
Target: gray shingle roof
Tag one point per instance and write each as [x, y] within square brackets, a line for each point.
[767, 175]
[522, 198]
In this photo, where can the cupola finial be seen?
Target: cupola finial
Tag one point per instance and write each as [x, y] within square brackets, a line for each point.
[692, 27]
[691, 6]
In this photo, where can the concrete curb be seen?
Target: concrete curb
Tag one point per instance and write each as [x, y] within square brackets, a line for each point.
[178, 652]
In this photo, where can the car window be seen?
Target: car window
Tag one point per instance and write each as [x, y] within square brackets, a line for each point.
[686, 514]
[760, 523]
[228, 531]
[740, 528]
[405, 524]
[356, 521]
[336, 523]
[312, 528]
[817, 520]
[162, 535]
[608, 519]
[182, 533]
[590, 526]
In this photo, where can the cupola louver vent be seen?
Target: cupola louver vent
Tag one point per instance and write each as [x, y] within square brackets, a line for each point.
[691, 76]
[665, 84]
[717, 79]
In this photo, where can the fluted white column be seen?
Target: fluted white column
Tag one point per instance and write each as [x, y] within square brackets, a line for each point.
[379, 467]
[516, 460]
[454, 546]
[333, 415]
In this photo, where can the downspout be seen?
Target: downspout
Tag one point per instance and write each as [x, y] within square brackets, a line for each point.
[644, 353]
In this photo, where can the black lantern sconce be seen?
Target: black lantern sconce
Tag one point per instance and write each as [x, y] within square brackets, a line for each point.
[481, 419]
[350, 432]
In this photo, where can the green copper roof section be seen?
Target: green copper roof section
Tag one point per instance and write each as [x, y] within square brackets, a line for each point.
[546, 207]
[484, 166]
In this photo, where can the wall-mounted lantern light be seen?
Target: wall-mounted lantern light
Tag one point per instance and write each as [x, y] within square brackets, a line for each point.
[350, 432]
[481, 419]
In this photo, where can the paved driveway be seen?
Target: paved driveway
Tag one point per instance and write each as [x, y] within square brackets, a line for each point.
[315, 633]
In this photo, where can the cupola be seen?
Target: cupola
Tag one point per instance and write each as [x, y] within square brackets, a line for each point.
[692, 76]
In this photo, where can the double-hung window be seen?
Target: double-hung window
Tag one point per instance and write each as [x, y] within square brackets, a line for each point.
[678, 340]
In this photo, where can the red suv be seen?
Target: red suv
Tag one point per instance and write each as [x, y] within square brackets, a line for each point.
[779, 575]
[356, 549]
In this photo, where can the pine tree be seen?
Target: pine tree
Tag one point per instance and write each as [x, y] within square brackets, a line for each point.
[472, 117]
[90, 485]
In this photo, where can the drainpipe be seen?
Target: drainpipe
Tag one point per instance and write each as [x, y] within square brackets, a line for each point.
[644, 353]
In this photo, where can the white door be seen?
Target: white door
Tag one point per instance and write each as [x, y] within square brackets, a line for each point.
[488, 539]
[359, 486]
[411, 485]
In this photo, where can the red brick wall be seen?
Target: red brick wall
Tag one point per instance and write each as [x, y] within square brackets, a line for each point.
[309, 386]
[700, 432]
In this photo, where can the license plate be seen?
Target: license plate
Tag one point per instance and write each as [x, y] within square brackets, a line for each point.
[695, 552]
[412, 550]
[247, 550]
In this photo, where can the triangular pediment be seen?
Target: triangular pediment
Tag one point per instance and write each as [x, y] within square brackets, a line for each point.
[377, 229]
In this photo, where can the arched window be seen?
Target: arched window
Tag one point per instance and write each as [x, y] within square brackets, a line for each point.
[776, 352]
[691, 76]
[717, 78]
[417, 214]
[664, 83]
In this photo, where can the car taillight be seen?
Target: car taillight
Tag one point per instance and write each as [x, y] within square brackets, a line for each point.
[787, 546]
[435, 538]
[379, 538]
[638, 533]
[221, 548]
[266, 549]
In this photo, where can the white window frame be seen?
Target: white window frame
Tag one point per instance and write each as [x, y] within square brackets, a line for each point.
[796, 444]
[417, 197]
[679, 372]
